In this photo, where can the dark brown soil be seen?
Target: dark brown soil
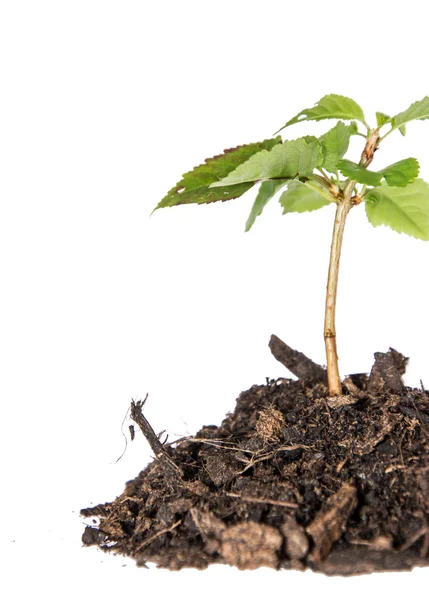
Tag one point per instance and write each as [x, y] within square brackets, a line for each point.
[291, 479]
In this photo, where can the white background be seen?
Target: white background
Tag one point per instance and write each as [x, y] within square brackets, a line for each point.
[103, 106]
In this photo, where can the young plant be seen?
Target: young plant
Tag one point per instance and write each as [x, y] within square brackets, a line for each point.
[315, 173]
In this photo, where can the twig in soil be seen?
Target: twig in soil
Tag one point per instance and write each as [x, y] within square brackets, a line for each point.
[394, 467]
[381, 542]
[156, 535]
[215, 443]
[296, 362]
[256, 458]
[262, 500]
[172, 472]
[424, 551]
[228, 446]
[340, 465]
[328, 411]
[421, 420]
[329, 524]
[422, 532]
[353, 389]
[131, 499]
[400, 448]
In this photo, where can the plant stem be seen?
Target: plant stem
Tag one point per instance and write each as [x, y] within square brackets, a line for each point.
[334, 380]
[325, 175]
[344, 205]
[321, 191]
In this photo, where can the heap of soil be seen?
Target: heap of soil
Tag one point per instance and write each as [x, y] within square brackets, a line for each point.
[291, 479]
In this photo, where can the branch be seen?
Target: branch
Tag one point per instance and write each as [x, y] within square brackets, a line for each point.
[386, 372]
[172, 472]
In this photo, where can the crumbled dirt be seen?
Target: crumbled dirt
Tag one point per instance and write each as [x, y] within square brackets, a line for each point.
[291, 479]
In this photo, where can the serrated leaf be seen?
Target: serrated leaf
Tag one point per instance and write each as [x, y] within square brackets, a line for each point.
[401, 173]
[309, 138]
[266, 191]
[288, 160]
[335, 144]
[403, 209]
[417, 111]
[382, 119]
[357, 173]
[331, 106]
[194, 186]
[302, 197]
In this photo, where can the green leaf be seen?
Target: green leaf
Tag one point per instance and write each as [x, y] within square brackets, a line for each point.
[357, 173]
[287, 160]
[332, 106]
[403, 130]
[403, 209]
[266, 191]
[194, 186]
[382, 119]
[335, 144]
[401, 173]
[417, 111]
[309, 138]
[301, 197]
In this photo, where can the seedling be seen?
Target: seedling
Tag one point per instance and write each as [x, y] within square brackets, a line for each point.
[312, 172]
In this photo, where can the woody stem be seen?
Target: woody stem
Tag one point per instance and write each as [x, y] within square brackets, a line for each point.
[344, 204]
[334, 380]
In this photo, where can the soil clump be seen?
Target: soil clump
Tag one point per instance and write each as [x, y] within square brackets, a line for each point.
[291, 479]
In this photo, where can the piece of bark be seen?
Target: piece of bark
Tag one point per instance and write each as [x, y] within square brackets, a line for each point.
[297, 363]
[359, 560]
[251, 545]
[330, 522]
[210, 528]
[93, 536]
[401, 361]
[296, 540]
[386, 373]
[353, 389]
